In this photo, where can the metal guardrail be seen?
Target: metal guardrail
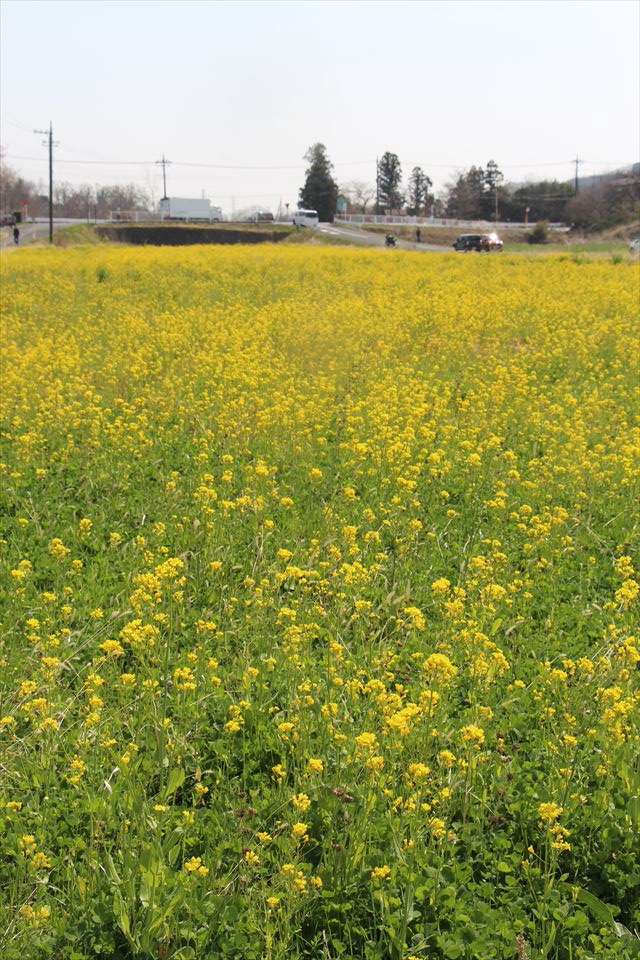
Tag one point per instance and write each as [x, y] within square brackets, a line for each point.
[133, 216]
[480, 226]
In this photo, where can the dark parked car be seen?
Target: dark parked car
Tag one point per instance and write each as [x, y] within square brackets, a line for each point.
[468, 241]
[478, 241]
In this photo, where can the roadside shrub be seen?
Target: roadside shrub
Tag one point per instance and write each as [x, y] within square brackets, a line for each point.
[540, 233]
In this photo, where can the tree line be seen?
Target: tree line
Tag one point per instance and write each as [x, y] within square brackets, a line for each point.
[479, 193]
[84, 201]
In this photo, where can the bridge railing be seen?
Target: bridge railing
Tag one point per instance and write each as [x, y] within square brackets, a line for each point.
[480, 226]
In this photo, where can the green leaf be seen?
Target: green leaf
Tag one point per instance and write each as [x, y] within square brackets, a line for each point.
[147, 884]
[176, 779]
[599, 909]
[112, 873]
[148, 859]
[121, 915]
[550, 940]
[452, 950]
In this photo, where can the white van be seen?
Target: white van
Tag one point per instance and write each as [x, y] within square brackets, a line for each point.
[305, 218]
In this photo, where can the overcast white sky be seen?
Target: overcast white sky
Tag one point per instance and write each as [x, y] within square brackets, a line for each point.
[252, 84]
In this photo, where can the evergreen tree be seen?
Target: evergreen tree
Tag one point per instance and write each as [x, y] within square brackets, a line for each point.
[389, 177]
[467, 195]
[320, 190]
[493, 177]
[542, 200]
[419, 196]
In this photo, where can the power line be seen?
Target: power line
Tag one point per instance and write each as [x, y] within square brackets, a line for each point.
[103, 163]
[19, 126]
[542, 196]
[106, 163]
[191, 163]
[297, 166]
[301, 166]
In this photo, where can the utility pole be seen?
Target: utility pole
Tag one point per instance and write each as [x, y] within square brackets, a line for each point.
[164, 163]
[577, 162]
[377, 185]
[50, 182]
[49, 134]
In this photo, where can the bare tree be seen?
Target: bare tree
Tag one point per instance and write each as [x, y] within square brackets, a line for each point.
[14, 189]
[151, 180]
[125, 196]
[359, 194]
[246, 213]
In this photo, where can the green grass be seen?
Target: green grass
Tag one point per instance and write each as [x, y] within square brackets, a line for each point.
[81, 233]
[591, 247]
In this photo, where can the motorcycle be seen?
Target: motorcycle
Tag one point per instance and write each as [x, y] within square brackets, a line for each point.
[389, 240]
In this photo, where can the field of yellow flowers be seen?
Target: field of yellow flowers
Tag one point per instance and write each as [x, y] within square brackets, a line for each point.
[319, 627]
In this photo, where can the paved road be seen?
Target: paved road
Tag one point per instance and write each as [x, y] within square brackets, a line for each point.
[28, 233]
[367, 238]
[35, 231]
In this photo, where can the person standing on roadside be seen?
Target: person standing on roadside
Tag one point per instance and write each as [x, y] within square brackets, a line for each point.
[418, 235]
[16, 235]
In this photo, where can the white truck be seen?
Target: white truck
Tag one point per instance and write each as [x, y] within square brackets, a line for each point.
[189, 208]
[305, 218]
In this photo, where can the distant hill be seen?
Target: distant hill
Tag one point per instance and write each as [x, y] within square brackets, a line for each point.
[606, 200]
[628, 174]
